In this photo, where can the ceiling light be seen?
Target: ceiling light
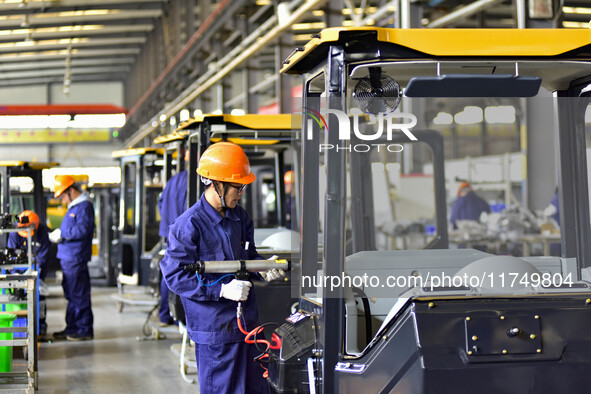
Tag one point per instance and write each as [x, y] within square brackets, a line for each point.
[500, 114]
[575, 25]
[576, 10]
[184, 115]
[443, 118]
[308, 26]
[470, 115]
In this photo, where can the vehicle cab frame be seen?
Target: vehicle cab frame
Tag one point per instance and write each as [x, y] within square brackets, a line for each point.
[430, 61]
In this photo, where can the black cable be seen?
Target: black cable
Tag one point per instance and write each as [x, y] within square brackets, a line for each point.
[367, 312]
[257, 331]
[368, 327]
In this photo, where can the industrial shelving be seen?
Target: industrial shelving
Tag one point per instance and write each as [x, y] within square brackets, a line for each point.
[19, 380]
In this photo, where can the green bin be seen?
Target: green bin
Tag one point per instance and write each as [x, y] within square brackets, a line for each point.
[6, 351]
[20, 321]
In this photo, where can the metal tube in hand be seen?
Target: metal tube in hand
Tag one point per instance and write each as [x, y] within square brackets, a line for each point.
[231, 266]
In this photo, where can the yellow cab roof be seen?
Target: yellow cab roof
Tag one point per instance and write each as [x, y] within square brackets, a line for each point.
[136, 151]
[249, 121]
[556, 55]
[35, 165]
[177, 135]
[451, 42]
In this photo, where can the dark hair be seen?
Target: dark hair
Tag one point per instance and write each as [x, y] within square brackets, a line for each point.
[74, 186]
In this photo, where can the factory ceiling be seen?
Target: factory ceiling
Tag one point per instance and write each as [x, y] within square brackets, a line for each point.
[159, 49]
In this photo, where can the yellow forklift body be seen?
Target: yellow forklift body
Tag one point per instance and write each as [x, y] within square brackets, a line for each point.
[460, 42]
[135, 151]
[250, 121]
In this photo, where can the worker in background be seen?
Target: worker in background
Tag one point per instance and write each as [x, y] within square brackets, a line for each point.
[74, 239]
[171, 204]
[289, 180]
[218, 228]
[468, 205]
[553, 209]
[40, 248]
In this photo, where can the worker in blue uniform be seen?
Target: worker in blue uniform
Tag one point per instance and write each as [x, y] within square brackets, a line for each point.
[171, 204]
[217, 228]
[74, 239]
[40, 247]
[553, 209]
[468, 205]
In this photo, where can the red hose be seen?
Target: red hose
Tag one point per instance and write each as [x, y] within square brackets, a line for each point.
[250, 334]
[248, 339]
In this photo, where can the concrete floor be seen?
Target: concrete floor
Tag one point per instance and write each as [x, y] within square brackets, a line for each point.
[115, 361]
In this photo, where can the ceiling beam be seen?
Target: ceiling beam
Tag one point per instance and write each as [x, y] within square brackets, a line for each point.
[42, 33]
[33, 46]
[249, 46]
[62, 63]
[78, 17]
[44, 4]
[55, 72]
[462, 13]
[76, 53]
[56, 79]
[61, 109]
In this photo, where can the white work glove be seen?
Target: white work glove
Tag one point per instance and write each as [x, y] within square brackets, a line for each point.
[55, 236]
[43, 288]
[550, 210]
[236, 290]
[274, 273]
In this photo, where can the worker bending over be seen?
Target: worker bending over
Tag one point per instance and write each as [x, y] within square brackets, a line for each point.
[468, 205]
[40, 247]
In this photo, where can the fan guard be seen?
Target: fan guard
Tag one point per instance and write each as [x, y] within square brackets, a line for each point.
[377, 93]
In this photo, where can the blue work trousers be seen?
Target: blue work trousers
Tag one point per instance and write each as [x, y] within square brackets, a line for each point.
[76, 285]
[164, 311]
[228, 368]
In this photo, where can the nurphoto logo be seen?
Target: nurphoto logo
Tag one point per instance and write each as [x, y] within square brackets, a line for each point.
[388, 123]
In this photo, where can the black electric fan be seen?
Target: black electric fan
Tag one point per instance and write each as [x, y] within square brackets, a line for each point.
[377, 92]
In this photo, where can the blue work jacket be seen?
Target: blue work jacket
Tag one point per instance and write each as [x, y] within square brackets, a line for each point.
[77, 231]
[173, 201]
[554, 202]
[201, 233]
[468, 207]
[40, 247]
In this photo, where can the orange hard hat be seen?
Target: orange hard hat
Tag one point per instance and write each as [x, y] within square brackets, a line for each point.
[61, 183]
[463, 185]
[288, 177]
[225, 162]
[25, 218]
